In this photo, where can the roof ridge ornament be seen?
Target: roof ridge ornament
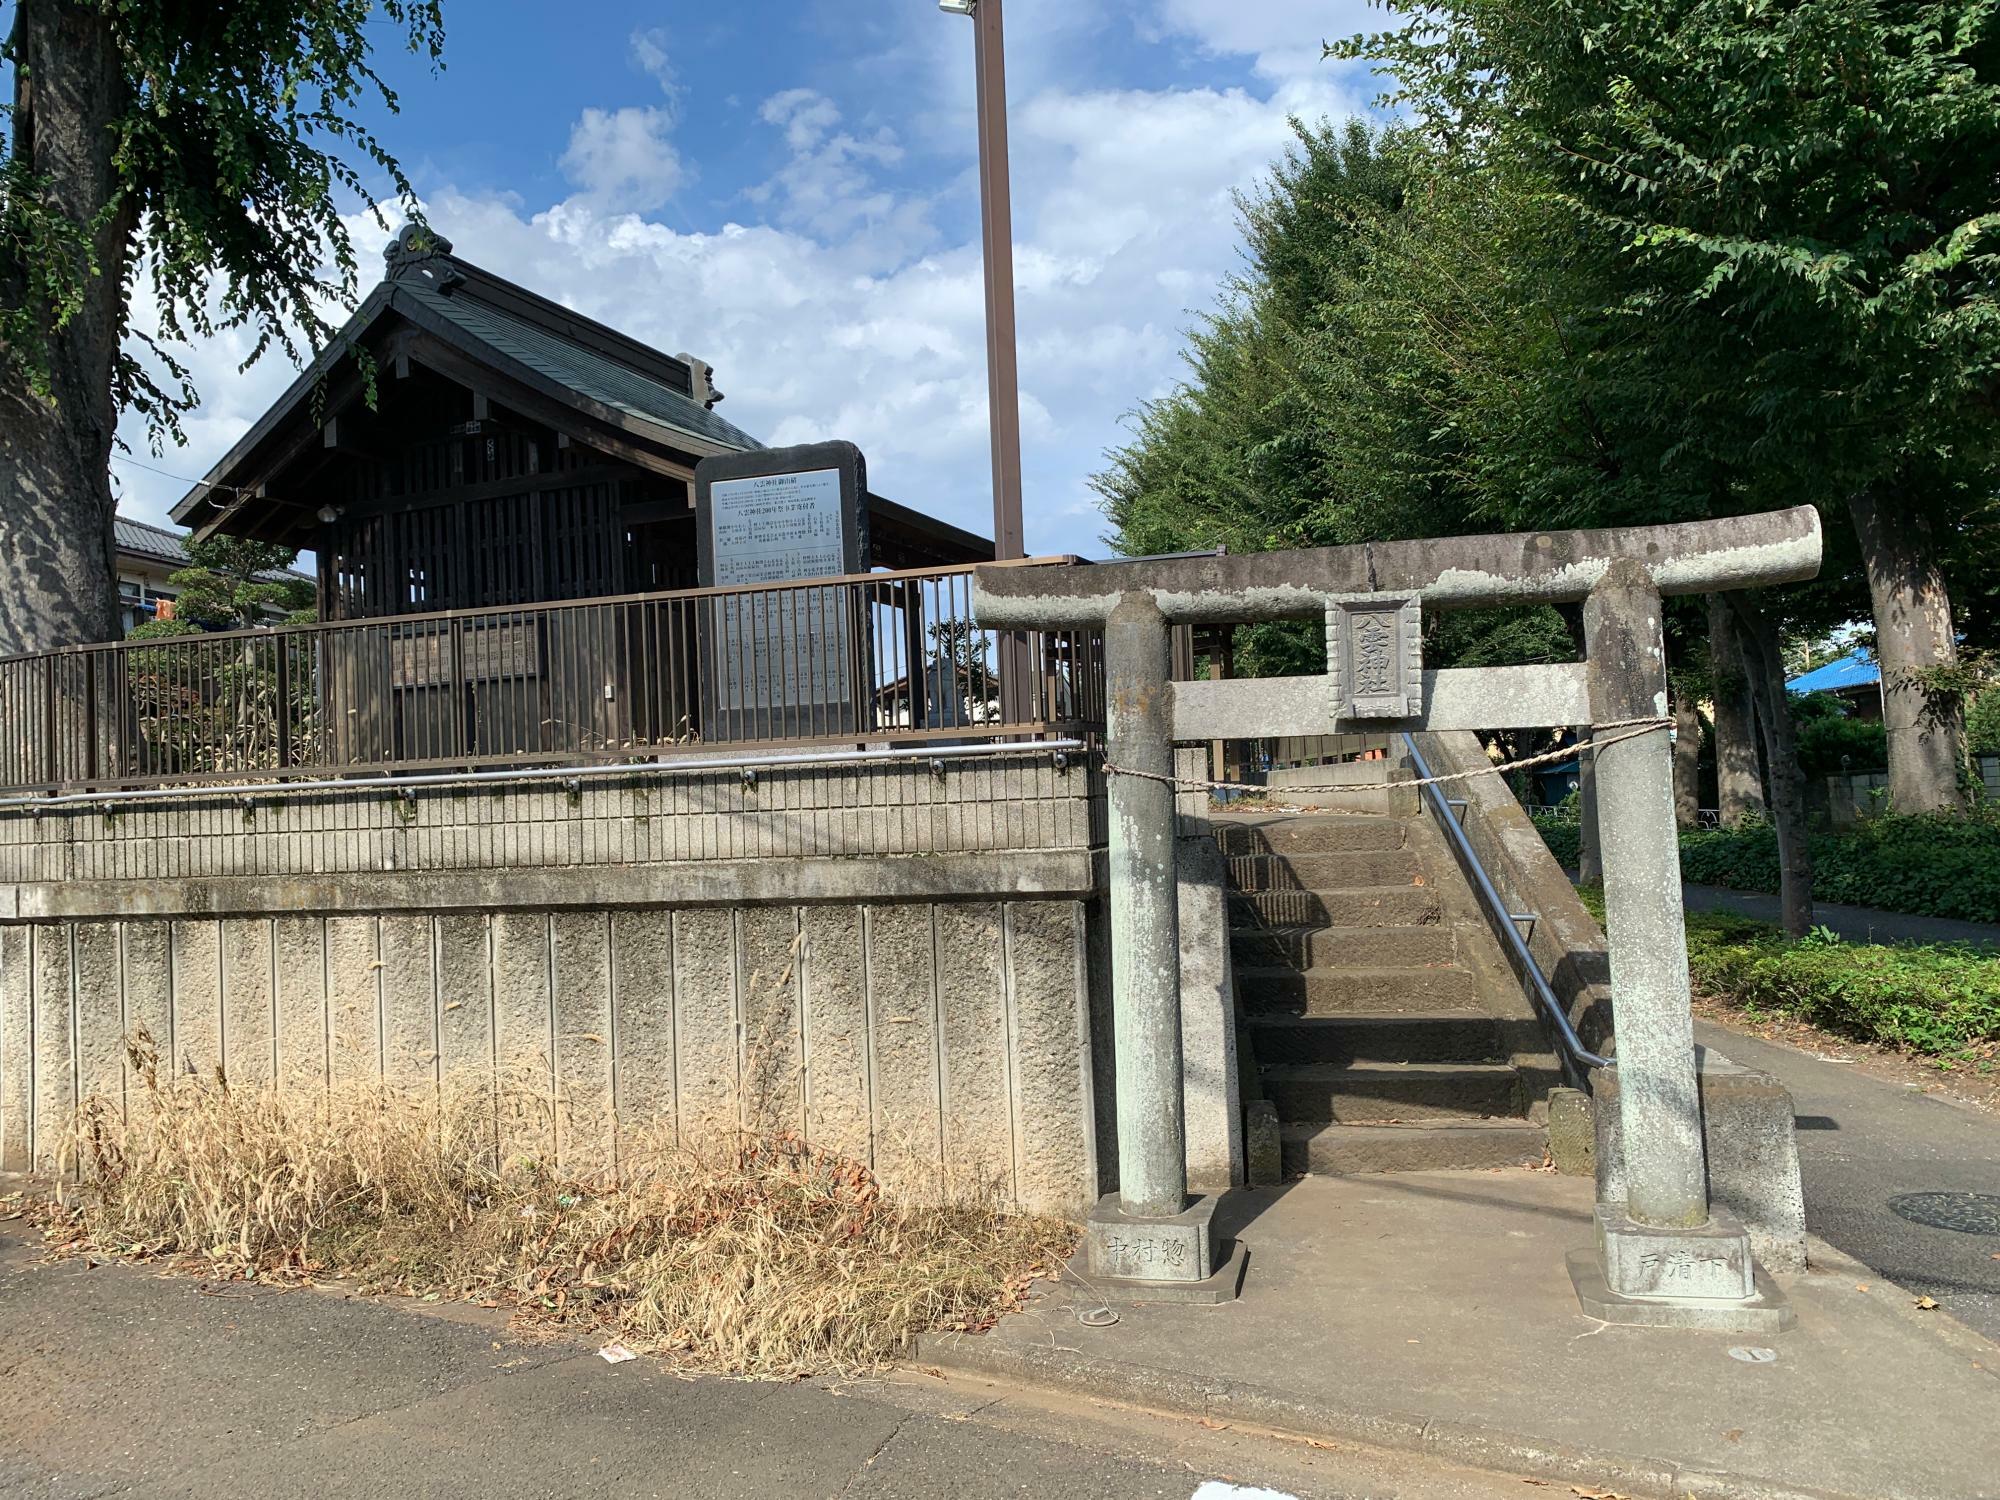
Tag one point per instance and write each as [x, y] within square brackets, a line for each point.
[413, 252]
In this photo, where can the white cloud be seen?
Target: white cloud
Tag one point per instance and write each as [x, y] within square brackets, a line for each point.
[829, 185]
[845, 312]
[649, 51]
[1284, 36]
[623, 159]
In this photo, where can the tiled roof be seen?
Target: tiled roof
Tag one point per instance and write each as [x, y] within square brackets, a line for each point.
[145, 540]
[588, 374]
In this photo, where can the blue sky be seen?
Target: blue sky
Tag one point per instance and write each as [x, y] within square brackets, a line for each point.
[786, 189]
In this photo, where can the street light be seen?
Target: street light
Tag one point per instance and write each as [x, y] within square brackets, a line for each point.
[997, 220]
[1003, 385]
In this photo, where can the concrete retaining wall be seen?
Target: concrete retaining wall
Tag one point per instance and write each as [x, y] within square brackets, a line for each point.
[989, 803]
[910, 1034]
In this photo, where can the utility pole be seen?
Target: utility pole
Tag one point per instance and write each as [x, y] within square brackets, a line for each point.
[1003, 385]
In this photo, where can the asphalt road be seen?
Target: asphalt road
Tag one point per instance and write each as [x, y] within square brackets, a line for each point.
[114, 1381]
[1858, 924]
[1865, 1141]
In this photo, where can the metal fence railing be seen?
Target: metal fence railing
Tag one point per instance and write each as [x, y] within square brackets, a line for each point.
[878, 658]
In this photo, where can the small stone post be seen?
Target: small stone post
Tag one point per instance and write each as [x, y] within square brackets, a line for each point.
[1664, 1255]
[1148, 1232]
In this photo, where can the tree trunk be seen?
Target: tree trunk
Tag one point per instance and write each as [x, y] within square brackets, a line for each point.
[1913, 633]
[1589, 848]
[1758, 642]
[1739, 788]
[1687, 759]
[58, 577]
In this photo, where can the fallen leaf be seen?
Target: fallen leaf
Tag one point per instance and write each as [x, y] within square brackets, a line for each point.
[1214, 1426]
[1734, 1435]
[1862, 1288]
[1927, 1303]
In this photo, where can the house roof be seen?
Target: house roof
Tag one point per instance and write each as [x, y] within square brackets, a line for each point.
[604, 383]
[158, 544]
[1858, 669]
[580, 369]
[533, 355]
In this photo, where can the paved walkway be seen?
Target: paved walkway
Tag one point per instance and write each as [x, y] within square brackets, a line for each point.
[114, 1381]
[1435, 1310]
[1860, 924]
[1864, 1142]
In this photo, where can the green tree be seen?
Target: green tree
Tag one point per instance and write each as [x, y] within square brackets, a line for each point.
[232, 583]
[206, 150]
[1799, 197]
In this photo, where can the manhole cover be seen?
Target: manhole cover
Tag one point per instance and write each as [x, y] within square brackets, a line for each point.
[1968, 1213]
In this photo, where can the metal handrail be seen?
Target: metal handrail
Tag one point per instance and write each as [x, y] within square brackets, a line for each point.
[1576, 1057]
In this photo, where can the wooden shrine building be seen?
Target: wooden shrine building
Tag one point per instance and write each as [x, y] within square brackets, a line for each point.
[517, 452]
[507, 536]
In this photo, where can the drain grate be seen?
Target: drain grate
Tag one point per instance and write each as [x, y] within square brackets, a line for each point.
[1967, 1213]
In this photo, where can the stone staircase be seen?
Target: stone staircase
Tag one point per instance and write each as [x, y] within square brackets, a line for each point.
[1380, 1015]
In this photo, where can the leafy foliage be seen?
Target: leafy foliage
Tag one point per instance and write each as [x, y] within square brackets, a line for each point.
[237, 133]
[1937, 1000]
[1832, 741]
[1982, 723]
[1938, 866]
[233, 582]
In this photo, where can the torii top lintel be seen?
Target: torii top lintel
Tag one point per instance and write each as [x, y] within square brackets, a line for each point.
[1541, 567]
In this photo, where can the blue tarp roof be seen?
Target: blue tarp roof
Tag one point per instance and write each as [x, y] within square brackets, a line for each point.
[1855, 670]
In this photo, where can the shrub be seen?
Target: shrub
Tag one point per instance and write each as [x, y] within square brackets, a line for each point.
[1831, 741]
[1940, 1000]
[1935, 865]
[1937, 1000]
[1564, 836]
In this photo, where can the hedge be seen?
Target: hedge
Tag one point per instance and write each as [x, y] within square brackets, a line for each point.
[1937, 1000]
[1936, 866]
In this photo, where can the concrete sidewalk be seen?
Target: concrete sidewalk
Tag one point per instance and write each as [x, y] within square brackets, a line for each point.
[1864, 1144]
[1433, 1311]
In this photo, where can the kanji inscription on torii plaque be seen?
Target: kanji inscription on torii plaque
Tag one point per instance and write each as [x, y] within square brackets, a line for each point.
[1374, 656]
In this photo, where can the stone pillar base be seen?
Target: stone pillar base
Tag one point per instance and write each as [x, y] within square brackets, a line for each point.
[1150, 1258]
[1699, 1277]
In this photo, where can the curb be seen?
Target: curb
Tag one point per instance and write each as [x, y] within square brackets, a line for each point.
[1464, 1443]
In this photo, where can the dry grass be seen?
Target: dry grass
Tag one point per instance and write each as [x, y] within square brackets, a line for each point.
[746, 1253]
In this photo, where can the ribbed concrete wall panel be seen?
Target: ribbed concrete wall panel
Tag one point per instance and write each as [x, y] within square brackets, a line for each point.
[249, 1025]
[903, 1005]
[100, 1013]
[708, 1058]
[838, 1093]
[17, 1049]
[938, 1041]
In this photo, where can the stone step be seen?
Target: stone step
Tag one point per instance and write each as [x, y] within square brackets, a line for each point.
[1367, 786]
[1453, 1036]
[1373, 1092]
[1360, 906]
[1309, 835]
[1357, 989]
[1317, 947]
[1342, 1150]
[1337, 870]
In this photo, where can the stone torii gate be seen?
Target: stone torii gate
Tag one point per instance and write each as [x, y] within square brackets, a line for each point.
[1665, 1255]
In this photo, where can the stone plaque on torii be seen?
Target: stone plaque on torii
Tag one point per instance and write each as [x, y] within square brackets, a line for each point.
[1664, 1248]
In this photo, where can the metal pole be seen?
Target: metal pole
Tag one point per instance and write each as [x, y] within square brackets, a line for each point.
[1003, 391]
[1145, 916]
[1659, 1104]
[996, 211]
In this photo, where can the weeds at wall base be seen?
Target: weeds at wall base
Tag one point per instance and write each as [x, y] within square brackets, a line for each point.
[732, 1250]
